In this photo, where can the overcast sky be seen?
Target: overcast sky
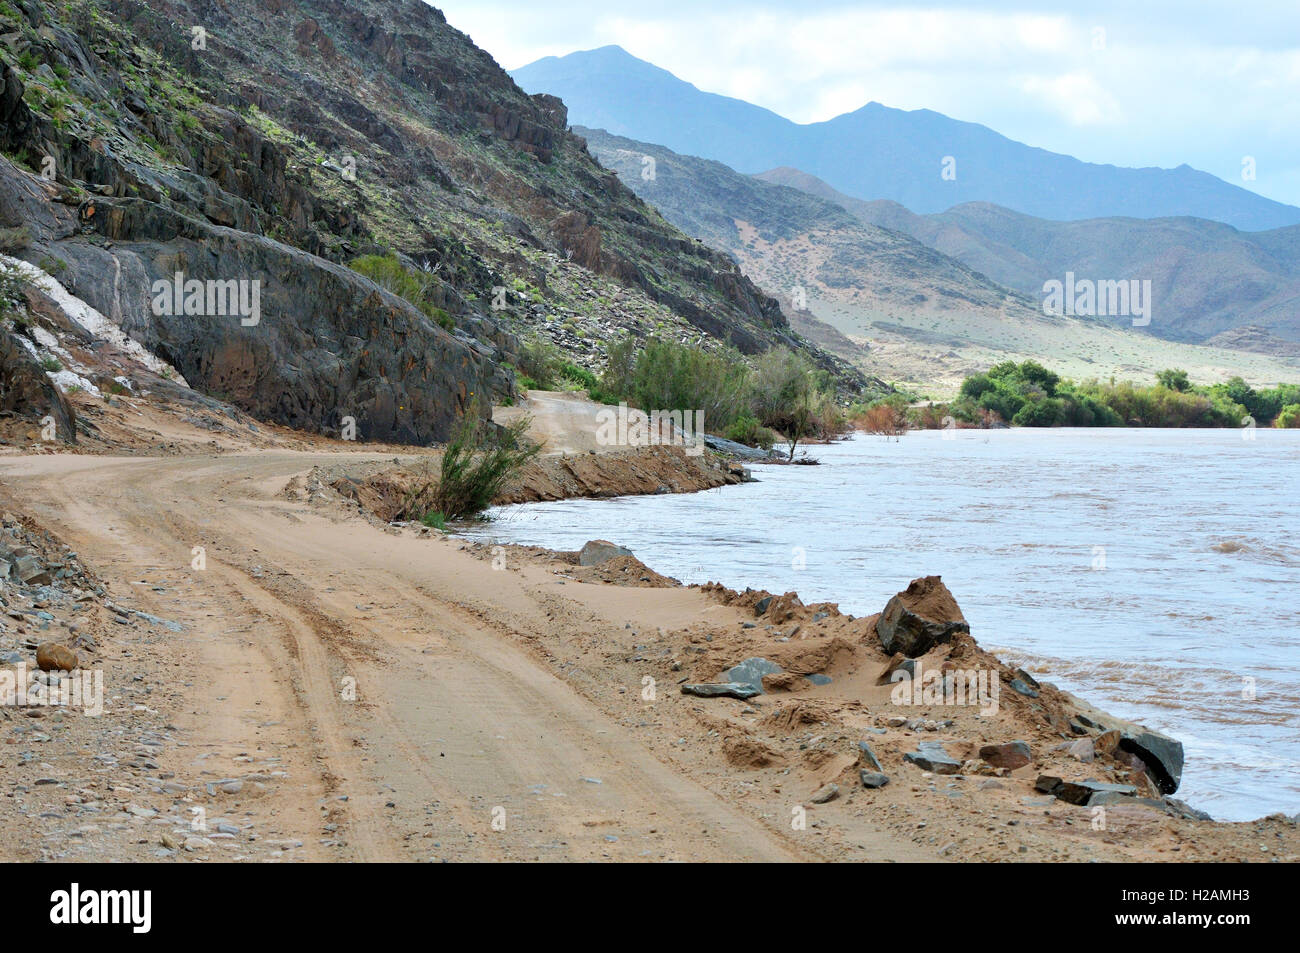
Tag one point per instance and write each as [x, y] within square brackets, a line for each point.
[1197, 81]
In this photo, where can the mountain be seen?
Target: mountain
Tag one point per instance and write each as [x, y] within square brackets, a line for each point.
[874, 295]
[136, 148]
[881, 153]
[1207, 278]
[771, 229]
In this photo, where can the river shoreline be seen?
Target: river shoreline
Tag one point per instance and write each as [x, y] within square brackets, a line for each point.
[646, 576]
[1074, 547]
[499, 675]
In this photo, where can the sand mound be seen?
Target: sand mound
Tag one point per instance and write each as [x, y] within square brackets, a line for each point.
[745, 751]
[929, 598]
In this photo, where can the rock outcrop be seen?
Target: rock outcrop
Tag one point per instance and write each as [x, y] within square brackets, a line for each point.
[26, 391]
[919, 618]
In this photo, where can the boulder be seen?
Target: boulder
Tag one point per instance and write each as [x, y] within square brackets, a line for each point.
[750, 672]
[53, 657]
[1027, 678]
[598, 551]
[873, 779]
[827, 792]
[899, 662]
[1024, 688]
[1081, 792]
[1162, 755]
[1081, 750]
[1012, 755]
[30, 571]
[931, 756]
[866, 754]
[922, 616]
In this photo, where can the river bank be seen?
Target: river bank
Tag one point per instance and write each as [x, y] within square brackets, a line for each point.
[331, 688]
[1116, 563]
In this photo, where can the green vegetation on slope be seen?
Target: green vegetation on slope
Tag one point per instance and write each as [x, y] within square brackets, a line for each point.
[415, 286]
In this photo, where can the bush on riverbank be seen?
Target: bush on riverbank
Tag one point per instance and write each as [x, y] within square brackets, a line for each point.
[751, 401]
[478, 462]
[1029, 395]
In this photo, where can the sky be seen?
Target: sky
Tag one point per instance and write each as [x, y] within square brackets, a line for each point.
[1212, 84]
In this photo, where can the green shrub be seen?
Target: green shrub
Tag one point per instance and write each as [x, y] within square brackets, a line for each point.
[414, 285]
[747, 430]
[1029, 395]
[1174, 379]
[578, 375]
[1048, 412]
[790, 396]
[672, 376]
[620, 364]
[539, 364]
[477, 464]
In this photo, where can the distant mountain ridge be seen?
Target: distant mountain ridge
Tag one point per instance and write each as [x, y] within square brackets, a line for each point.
[899, 309]
[1208, 277]
[881, 153]
[740, 215]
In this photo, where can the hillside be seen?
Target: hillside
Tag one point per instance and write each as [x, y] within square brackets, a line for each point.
[901, 310]
[137, 147]
[881, 153]
[1208, 278]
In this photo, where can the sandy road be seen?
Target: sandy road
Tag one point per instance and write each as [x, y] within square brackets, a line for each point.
[462, 742]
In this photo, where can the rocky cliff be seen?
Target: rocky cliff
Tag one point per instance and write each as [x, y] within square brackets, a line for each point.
[180, 164]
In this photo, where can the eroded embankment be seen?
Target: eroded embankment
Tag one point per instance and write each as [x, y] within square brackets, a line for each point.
[385, 491]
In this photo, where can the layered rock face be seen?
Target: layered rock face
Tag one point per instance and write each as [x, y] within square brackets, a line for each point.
[276, 331]
[270, 144]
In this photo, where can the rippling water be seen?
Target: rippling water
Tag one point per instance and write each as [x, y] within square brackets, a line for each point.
[1153, 572]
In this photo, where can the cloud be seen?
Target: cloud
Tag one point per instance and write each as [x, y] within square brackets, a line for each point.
[1076, 96]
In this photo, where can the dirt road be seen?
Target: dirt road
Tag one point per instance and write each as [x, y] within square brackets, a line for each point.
[462, 742]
